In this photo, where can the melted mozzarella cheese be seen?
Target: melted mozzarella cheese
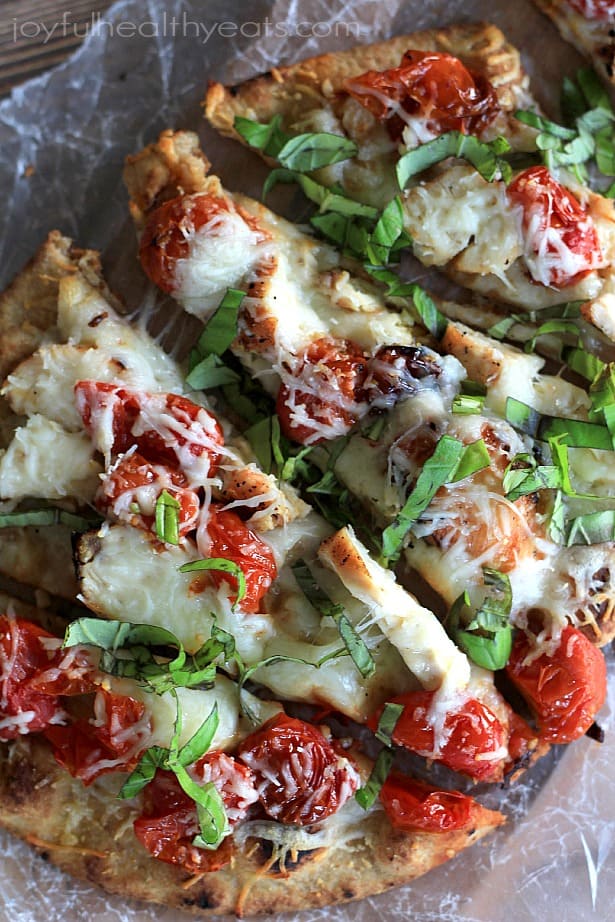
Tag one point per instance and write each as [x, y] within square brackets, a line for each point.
[45, 461]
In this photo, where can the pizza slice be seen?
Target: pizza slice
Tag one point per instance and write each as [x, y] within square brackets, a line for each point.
[515, 229]
[439, 469]
[589, 26]
[211, 574]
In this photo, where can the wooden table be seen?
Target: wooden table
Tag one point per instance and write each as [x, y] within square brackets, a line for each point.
[38, 34]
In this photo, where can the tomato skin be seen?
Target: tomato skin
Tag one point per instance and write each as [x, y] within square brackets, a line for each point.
[132, 410]
[84, 749]
[547, 205]
[412, 804]
[231, 538]
[313, 781]
[431, 85]
[23, 657]
[169, 823]
[122, 484]
[166, 235]
[170, 227]
[594, 9]
[336, 367]
[565, 690]
[473, 732]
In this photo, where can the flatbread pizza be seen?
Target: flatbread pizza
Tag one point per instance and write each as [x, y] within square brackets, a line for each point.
[588, 25]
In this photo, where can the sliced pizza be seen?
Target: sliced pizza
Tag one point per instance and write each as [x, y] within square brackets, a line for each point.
[529, 235]
[211, 574]
[589, 25]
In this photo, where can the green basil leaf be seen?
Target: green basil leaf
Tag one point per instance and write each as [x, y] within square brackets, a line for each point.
[544, 124]
[557, 521]
[437, 470]
[116, 635]
[484, 157]
[354, 644]
[423, 305]
[553, 326]
[259, 437]
[488, 652]
[582, 362]
[388, 721]
[221, 328]
[323, 196]
[167, 518]
[209, 373]
[213, 821]
[467, 404]
[521, 481]
[576, 433]
[474, 458]
[484, 634]
[605, 152]
[269, 137]
[368, 794]
[307, 152]
[222, 565]
[49, 516]
[593, 90]
[144, 772]
[593, 528]
[572, 102]
[388, 230]
[201, 741]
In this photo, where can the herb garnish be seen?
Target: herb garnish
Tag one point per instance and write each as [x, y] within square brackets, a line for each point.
[484, 633]
[366, 796]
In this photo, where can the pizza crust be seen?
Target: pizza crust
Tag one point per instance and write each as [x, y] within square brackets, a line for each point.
[313, 83]
[596, 39]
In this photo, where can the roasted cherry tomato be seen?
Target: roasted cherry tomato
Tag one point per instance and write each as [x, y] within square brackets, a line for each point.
[594, 9]
[322, 400]
[134, 483]
[299, 775]
[522, 740]
[561, 242]
[113, 742]
[428, 85]
[565, 689]
[171, 227]
[232, 539]
[23, 707]
[168, 825]
[412, 804]
[474, 737]
[166, 428]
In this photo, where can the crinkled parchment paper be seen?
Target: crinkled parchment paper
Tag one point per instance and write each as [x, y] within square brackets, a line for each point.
[555, 860]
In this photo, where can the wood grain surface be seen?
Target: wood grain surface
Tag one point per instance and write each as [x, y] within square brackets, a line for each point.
[38, 34]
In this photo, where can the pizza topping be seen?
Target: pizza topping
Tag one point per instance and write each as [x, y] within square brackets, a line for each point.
[300, 777]
[560, 240]
[594, 9]
[112, 741]
[24, 708]
[483, 632]
[394, 373]
[138, 492]
[176, 234]
[430, 92]
[168, 825]
[472, 740]
[322, 397]
[165, 428]
[565, 688]
[412, 804]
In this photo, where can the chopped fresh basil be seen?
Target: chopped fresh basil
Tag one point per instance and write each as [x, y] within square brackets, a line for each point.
[167, 518]
[484, 634]
[307, 152]
[49, 516]
[423, 305]
[468, 404]
[268, 138]
[589, 133]
[524, 476]
[576, 433]
[388, 721]
[593, 528]
[582, 362]
[354, 644]
[565, 311]
[210, 372]
[451, 461]
[557, 520]
[152, 759]
[483, 156]
[220, 564]
[388, 232]
[567, 327]
[221, 328]
[326, 198]
[368, 794]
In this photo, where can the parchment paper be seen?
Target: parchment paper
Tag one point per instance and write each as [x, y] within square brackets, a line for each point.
[555, 860]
